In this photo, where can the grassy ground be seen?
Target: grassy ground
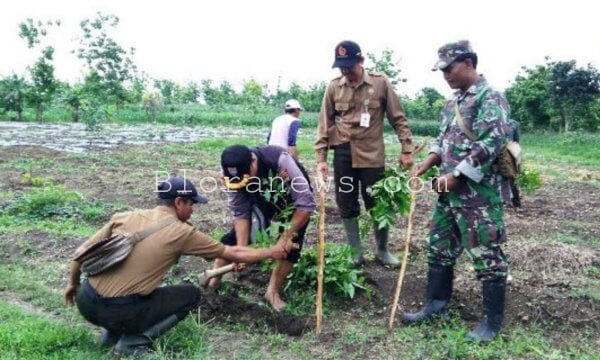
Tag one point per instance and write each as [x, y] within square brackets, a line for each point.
[50, 201]
[195, 114]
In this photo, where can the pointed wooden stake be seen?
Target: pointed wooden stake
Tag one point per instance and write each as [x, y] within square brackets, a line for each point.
[404, 261]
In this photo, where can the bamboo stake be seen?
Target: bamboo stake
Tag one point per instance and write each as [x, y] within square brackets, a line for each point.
[404, 261]
[321, 251]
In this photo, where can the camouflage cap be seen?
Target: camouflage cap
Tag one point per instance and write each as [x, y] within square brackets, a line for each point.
[448, 53]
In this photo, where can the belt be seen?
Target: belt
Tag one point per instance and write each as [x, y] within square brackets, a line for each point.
[118, 300]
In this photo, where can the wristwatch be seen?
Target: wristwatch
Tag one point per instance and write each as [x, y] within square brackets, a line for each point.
[456, 173]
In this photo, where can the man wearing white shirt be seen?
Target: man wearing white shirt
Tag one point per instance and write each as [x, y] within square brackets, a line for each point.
[284, 130]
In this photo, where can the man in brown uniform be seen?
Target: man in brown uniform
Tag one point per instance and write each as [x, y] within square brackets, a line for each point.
[125, 300]
[351, 123]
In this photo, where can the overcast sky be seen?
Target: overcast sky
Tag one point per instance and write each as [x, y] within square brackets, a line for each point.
[237, 40]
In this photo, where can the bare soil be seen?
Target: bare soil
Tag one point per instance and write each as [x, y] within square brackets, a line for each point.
[544, 271]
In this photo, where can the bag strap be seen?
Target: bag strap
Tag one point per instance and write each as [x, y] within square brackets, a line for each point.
[142, 234]
[462, 125]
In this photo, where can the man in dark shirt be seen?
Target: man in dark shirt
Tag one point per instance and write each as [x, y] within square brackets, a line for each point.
[267, 180]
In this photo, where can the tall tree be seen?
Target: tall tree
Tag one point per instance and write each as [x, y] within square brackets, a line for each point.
[188, 94]
[167, 89]
[12, 94]
[138, 88]
[73, 96]
[43, 82]
[311, 98]
[572, 89]
[387, 65]
[529, 99]
[106, 58]
[430, 95]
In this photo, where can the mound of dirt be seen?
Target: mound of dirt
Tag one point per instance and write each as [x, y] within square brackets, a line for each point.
[232, 309]
[541, 257]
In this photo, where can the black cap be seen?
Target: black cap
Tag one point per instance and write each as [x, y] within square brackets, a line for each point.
[347, 53]
[176, 186]
[235, 161]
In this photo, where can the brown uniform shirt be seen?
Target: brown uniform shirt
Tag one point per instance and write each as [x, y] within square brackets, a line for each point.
[339, 119]
[143, 270]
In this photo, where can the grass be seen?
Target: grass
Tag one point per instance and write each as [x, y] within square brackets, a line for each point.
[571, 239]
[37, 277]
[446, 340]
[573, 149]
[30, 336]
[38, 284]
[196, 114]
[590, 285]
[25, 335]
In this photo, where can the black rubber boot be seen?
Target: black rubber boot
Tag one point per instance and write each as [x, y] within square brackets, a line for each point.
[383, 255]
[353, 236]
[439, 292]
[108, 338]
[136, 344]
[494, 294]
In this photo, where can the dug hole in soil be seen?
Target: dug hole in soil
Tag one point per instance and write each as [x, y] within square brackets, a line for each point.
[233, 309]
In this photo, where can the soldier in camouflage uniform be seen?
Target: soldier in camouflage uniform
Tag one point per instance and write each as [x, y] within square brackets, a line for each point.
[469, 212]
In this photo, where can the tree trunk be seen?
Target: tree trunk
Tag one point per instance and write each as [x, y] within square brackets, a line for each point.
[20, 111]
[75, 114]
[118, 108]
[38, 112]
[566, 120]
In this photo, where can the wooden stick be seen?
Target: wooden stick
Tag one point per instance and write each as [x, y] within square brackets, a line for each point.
[321, 251]
[211, 273]
[404, 260]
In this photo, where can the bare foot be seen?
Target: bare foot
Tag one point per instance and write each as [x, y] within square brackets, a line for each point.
[276, 303]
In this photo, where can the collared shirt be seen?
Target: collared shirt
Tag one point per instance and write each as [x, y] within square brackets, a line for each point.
[339, 119]
[150, 259]
[485, 112]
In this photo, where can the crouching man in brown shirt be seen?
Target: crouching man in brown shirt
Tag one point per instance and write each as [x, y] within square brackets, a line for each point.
[125, 300]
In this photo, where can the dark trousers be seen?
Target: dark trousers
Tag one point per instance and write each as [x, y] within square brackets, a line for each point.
[348, 180]
[133, 314]
[269, 212]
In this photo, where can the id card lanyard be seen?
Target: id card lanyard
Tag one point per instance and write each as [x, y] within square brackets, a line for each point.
[365, 117]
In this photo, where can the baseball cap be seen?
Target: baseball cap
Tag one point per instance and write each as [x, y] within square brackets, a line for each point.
[176, 186]
[347, 53]
[235, 161]
[448, 53]
[293, 104]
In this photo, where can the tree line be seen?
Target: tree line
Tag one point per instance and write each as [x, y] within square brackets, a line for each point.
[557, 95]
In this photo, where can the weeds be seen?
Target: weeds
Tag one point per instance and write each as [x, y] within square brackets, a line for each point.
[529, 181]
[35, 181]
[54, 202]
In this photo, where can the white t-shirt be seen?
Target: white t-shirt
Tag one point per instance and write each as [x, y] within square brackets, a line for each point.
[284, 131]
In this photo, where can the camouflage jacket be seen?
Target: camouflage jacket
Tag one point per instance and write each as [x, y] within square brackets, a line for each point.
[485, 111]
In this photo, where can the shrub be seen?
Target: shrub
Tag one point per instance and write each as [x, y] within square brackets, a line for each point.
[340, 278]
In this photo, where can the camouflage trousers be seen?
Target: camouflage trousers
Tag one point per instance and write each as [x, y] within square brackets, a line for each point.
[478, 230]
